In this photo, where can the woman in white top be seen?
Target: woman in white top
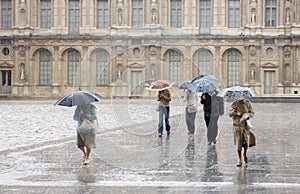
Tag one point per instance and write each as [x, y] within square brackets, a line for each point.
[191, 99]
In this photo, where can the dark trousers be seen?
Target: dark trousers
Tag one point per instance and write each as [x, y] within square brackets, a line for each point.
[212, 127]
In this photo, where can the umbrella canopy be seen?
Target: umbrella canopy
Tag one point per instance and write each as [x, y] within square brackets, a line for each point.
[186, 85]
[78, 98]
[206, 83]
[159, 85]
[237, 92]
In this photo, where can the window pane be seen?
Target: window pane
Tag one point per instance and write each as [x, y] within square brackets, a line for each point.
[73, 67]
[6, 13]
[175, 66]
[74, 16]
[233, 68]
[205, 16]
[45, 13]
[204, 62]
[102, 13]
[233, 13]
[102, 67]
[271, 13]
[176, 14]
[137, 13]
[45, 67]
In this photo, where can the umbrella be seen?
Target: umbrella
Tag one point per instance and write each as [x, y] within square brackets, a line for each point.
[237, 92]
[186, 85]
[206, 83]
[159, 85]
[78, 98]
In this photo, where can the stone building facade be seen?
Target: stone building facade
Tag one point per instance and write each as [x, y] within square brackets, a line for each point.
[117, 47]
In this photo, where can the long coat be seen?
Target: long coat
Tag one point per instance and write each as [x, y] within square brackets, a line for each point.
[240, 111]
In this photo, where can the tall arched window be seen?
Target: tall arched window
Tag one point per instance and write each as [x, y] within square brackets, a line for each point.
[102, 67]
[45, 67]
[233, 63]
[204, 62]
[175, 66]
[73, 67]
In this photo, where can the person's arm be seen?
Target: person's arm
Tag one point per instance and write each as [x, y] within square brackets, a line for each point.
[92, 115]
[233, 110]
[203, 99]
[76, 116]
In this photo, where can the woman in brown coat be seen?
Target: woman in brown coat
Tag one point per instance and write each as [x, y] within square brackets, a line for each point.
[240, 112]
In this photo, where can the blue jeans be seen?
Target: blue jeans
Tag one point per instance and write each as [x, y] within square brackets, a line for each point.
[163, 110]
[190, 120]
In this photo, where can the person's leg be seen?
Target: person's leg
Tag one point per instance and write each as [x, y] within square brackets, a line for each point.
[160, 121]
[167, 115]
[245, 154]
[214, 128]
[210, 131]
[240, 158]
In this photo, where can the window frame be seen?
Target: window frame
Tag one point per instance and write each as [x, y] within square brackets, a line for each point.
[102, 14]
[272, 13]
[233, 67]
[44, 68]
[205, 11]
[48, 18]
[176, 21]
[6, 20]
[74, 29]
[234, 21]
[137, 21]
[175, 61]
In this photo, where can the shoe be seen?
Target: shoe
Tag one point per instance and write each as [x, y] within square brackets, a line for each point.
[239, 164]
[86, 162]
[209, 143]
[246, 160]
[159, 135]
[215, 141]
[168, 133]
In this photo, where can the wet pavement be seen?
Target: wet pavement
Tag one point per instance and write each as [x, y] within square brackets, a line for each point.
[38, 152]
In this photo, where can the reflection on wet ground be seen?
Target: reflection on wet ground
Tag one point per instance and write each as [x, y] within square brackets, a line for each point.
[130, 158]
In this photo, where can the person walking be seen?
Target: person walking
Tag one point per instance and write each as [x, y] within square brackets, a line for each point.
[213, 107]
[240, 111]
[85, 141]
[164, 98]
[191, 99]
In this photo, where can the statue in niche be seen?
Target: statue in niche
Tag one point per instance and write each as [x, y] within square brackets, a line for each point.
[153, 76]
[252, 74]
[120, 2]
[120, 17]
[154, 17]
[288, 17]
[22, 72]
[253, 17]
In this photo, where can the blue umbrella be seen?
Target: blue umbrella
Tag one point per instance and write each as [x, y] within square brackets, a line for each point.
[206, 83]
[78, 98]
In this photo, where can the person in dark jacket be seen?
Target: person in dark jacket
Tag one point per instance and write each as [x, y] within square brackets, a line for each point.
[213, 107]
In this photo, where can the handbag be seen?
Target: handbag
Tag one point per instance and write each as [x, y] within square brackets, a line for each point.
[252, 141]
[86, 127]
[192, 109]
